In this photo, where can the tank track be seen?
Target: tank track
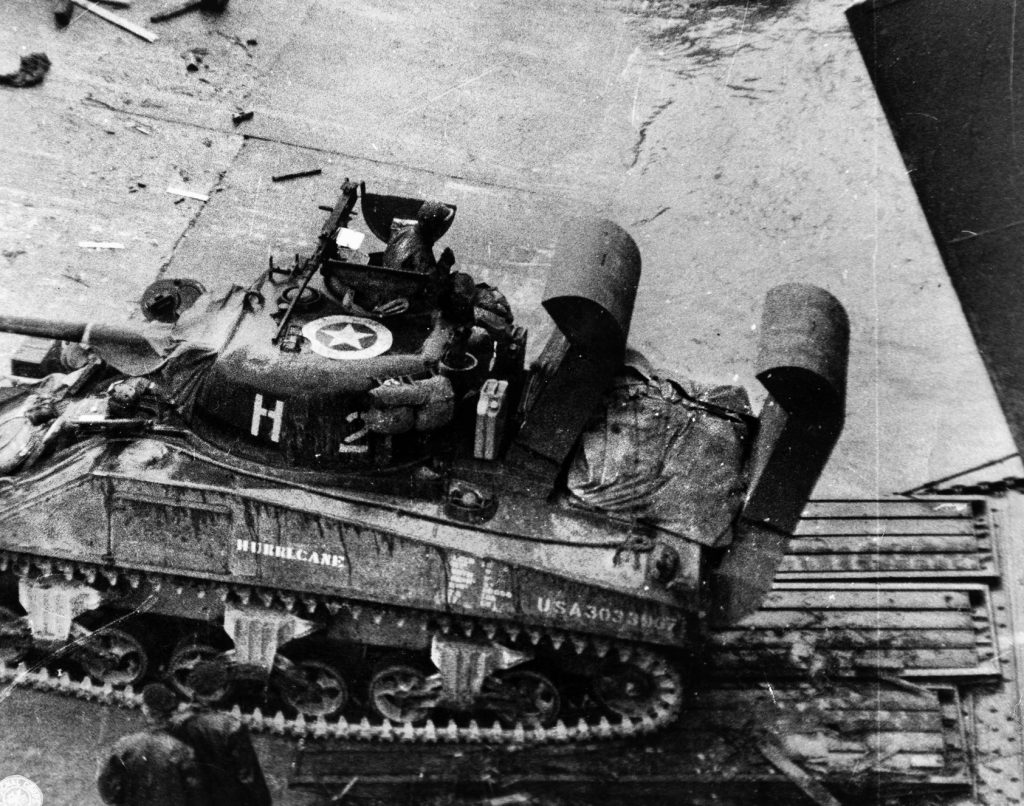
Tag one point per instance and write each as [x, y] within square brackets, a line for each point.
[660, 714]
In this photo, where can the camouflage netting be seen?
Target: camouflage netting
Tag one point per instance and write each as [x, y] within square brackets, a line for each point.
[669, 452]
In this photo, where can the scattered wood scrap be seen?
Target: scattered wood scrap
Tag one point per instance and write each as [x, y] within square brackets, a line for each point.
[811, 787]
[296, 175]
[118, 20]
[348, 788]
[188, 194]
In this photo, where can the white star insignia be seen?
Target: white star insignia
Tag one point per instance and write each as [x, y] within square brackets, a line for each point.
[348, 336]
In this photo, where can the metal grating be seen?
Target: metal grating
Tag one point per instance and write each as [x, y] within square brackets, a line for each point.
[859, 739]
[842, 628]
[892, 539]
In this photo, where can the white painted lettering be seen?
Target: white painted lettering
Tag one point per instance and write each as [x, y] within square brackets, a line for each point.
[276, 416]
[355, 442]
[326, 559]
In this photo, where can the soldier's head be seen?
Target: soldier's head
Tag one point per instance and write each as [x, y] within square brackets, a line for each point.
[208, 681]
[434, 219]
[158, 703]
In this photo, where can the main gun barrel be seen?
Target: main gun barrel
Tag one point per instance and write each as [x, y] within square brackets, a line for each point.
[44, 328]
[127, 350]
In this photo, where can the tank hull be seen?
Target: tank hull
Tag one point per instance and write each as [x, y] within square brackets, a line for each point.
[166, 556]
[192, 518]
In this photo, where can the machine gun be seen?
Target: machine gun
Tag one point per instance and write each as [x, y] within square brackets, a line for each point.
[326, 248]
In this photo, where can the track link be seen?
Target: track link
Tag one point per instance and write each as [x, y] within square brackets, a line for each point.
[662, 711]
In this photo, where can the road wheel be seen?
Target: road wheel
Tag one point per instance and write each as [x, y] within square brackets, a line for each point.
[312, 687]
[185, 657]
[401, 693]
[644, 685]
[523, 695]
[113, 655]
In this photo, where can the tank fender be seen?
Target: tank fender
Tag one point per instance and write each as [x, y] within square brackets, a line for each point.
[804, 343]
[589, 295]
[592, 285]
[802, 358]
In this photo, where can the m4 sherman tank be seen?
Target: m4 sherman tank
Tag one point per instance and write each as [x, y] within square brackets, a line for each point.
[345, 484]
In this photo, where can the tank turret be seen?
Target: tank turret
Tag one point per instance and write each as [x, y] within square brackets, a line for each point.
[360, 433]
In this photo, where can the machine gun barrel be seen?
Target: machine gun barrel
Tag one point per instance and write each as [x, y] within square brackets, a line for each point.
[340, 215]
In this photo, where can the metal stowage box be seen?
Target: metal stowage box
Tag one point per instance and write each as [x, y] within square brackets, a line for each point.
[490, 418]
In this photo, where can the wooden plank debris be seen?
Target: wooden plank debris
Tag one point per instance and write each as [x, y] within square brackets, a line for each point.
[117, 19]
[348, 788]
[814, 789]
[188, 194]
[296, 175]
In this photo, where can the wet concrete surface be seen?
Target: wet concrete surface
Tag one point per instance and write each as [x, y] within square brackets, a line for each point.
[740, 143]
